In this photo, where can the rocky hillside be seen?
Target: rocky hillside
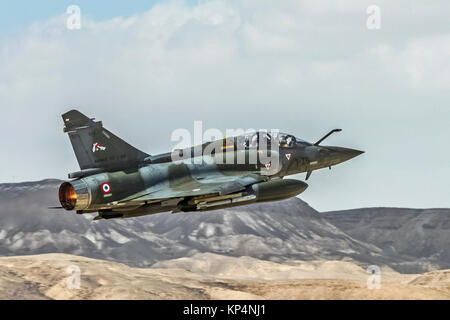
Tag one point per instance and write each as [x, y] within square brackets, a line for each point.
[414, 234]
[279, 231]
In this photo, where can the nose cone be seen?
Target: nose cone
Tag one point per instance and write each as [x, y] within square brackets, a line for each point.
[350, 153]
[344, 154]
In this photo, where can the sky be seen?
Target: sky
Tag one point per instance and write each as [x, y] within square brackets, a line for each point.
[15, 15]
[304, 67]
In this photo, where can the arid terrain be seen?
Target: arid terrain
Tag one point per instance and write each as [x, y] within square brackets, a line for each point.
[208, 276]
[280, 250]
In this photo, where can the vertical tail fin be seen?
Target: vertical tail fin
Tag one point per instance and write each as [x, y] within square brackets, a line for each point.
[96, 147]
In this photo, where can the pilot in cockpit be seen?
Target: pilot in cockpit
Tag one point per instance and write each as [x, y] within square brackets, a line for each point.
[256, 139]
[286, 140]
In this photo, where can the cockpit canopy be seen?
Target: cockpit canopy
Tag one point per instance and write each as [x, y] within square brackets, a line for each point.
[262, 139]
[256, 140]
[303, 142]
[287, 140]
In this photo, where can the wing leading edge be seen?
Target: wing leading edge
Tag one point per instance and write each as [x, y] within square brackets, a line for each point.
[214, 185]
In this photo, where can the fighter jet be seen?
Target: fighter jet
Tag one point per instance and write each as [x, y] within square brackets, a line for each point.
[119, 181]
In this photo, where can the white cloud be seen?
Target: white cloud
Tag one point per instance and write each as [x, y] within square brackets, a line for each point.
[301, 66]
[427, 62]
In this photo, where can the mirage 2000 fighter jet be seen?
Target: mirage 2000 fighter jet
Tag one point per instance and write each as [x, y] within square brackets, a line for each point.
[119, 181]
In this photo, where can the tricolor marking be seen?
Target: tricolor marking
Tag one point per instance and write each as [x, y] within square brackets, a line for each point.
[106, 188]
[97, 147]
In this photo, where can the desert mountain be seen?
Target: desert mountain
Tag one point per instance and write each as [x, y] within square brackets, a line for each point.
[420, 236]
[280, 232]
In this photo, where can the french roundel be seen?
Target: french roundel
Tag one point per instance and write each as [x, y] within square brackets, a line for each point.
[106, 188]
